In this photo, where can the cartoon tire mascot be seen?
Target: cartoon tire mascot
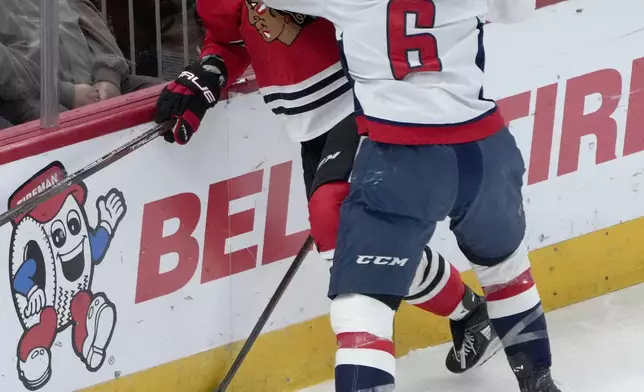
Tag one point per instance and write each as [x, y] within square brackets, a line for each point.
[53, 254]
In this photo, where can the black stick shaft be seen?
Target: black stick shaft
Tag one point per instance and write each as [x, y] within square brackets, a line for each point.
[266, 314]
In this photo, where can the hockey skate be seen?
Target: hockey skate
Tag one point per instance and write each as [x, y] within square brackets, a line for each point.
[475, 341]
[530, 379]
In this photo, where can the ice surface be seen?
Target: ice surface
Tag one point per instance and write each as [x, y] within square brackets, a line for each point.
[598, 346]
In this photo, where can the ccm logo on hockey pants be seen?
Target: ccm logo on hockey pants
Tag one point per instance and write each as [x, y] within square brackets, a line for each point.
[382, 260]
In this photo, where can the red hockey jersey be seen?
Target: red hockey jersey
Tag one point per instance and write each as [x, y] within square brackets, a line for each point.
[295, 57]
[418, 65]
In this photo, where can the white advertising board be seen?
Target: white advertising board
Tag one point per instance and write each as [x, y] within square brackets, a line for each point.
[175, 250]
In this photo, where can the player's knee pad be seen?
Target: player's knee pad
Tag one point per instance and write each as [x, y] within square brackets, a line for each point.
[364, 331]
[393, 301]
[507, 283]
[361, 313]
[437, 286]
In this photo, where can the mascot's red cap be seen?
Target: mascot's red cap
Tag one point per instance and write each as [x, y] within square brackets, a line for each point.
[40, 182]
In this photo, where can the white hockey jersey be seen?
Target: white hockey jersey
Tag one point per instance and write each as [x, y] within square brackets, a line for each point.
[417, 65]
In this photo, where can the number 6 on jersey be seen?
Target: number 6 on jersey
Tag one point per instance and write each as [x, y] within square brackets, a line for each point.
[411, 51]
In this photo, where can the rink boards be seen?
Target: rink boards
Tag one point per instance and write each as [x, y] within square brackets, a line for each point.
[211, 227]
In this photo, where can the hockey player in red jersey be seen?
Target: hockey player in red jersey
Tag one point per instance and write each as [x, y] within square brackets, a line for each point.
[297, 65]
[435, 148]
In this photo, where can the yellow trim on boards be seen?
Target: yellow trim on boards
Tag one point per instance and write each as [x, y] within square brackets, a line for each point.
[301, 355]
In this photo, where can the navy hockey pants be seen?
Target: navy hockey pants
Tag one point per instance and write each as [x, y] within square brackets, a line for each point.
[399, 193]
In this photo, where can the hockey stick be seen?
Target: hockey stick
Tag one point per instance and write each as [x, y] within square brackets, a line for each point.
[85, 172]
[281, 288]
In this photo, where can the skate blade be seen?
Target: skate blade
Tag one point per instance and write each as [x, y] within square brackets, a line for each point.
[561, 387]
[494, 347]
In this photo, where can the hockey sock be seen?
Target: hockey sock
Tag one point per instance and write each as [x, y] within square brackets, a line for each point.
[514, 306]
[365, 359]
[438, 288]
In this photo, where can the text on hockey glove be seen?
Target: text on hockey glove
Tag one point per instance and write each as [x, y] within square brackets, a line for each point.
[188, 98]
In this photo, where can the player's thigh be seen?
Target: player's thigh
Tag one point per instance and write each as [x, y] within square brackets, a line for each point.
[311, 152]
[336, 161]
[397, 195]
[491, 223]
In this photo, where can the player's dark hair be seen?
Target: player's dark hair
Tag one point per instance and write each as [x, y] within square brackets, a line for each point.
[301, 20]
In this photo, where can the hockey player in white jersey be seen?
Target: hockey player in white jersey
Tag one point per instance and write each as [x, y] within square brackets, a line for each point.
[434, 148]
[298, 67]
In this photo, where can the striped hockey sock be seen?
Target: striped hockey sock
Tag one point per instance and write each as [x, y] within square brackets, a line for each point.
[365, 359]
[514, 306]
[437, 287]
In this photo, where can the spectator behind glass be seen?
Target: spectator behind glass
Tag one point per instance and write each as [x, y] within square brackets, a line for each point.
[4, 123]
[144, 29]
[92, 67]
[17, 76]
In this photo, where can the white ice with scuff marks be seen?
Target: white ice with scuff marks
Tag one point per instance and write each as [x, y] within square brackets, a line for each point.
[598, 346]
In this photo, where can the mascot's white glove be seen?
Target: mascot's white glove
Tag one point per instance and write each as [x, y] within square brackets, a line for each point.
[36, 298]
[111, 209]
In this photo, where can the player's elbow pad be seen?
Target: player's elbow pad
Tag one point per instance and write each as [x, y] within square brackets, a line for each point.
[510, 11]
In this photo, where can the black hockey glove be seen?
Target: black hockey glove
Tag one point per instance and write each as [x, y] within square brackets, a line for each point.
[186, 99]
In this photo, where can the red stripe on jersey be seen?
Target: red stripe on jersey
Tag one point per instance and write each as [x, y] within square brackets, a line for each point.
[364, 340]
[516, 286]
[392, 133]
[546, 3]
